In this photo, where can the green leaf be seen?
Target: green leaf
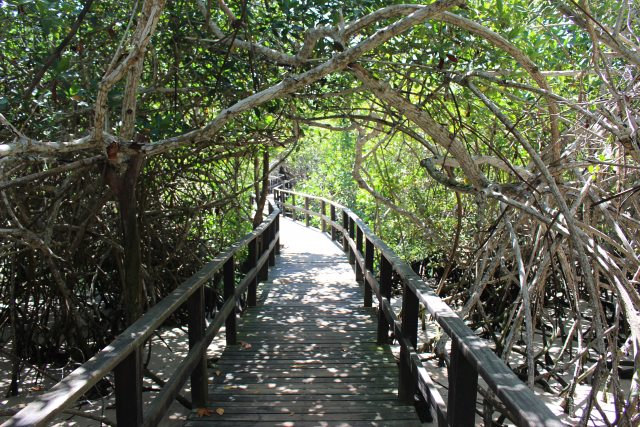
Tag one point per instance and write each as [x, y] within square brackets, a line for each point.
[63, 64]
[514, 33]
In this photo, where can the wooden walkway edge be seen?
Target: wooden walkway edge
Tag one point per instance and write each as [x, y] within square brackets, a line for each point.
[307, 354]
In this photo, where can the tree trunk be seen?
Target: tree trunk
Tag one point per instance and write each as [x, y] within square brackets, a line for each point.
[125, 189]
[261, 197]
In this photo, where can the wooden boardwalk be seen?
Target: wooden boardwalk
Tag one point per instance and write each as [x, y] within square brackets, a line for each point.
[313, 358]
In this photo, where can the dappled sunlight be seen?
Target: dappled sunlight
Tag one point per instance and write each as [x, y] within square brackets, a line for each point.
[312, 353]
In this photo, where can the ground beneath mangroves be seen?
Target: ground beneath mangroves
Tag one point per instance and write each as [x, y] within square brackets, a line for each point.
[170, 345]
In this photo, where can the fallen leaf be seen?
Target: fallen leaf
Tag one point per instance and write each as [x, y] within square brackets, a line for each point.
[76, 97]
[257, 391]
[227, 387]
[245, 344]
[285, 281]
[203, 411]
[298, 366]
[36, 388]
[293, 413]
[219, 411]
[217, 373]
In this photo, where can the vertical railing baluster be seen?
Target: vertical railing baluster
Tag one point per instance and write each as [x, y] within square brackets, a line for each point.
[252, 290]
[272, 235]
[463, 386]
[410, 308]
[293, 210]
[368, 264]
[263, 274]
[386, 273]
[199, 386]
[306, 214]
[334, 232]
[229, 279]
[352, 235]
[360, 248]
[277, 222]
[345, 231]
[323, 212]
[128, 379]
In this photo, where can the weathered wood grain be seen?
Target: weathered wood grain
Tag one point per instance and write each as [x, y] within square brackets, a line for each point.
[47, 406]
[313, 348]
[527, 409]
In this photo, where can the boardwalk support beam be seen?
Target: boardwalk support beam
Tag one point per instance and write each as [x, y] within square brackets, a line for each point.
[334, 231]
[407, 382]
[229, 278]
[306, 214]
[368, 264]
[360, 250]
[196, 335]
[463, 385]
[128, 379]
[252, 290]
[345, 231]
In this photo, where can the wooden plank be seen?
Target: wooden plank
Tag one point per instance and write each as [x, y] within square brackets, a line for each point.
[313, 407]
[335, 397]
[323, 417]
[220, 423]
[50, 404]
[311, 340]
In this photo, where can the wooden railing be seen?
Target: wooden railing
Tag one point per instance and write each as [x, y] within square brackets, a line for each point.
[123, 355]
[469, 357]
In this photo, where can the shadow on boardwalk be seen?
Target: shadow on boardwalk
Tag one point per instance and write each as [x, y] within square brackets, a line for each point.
[308, 353]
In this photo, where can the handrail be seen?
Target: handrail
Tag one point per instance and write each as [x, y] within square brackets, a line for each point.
[470, 355]
[123, 354]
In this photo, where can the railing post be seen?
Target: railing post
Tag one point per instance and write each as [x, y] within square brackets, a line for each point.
[345, 231]
[323, 212]
[463, 386]
[263, 274]
[128, 378]
[252, 290]
[352, 235]
[199, 386]
[277, 222]
[272, 235]
[410, 308]
[360, 248]
[229, 278]
[306, 214]
[293, 210]
[386, 272]
[368, 264]
[334, 232]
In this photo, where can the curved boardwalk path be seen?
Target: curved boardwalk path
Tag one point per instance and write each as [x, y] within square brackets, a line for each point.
[313, 358]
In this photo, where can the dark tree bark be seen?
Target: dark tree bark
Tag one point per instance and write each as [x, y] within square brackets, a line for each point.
[125, 189]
